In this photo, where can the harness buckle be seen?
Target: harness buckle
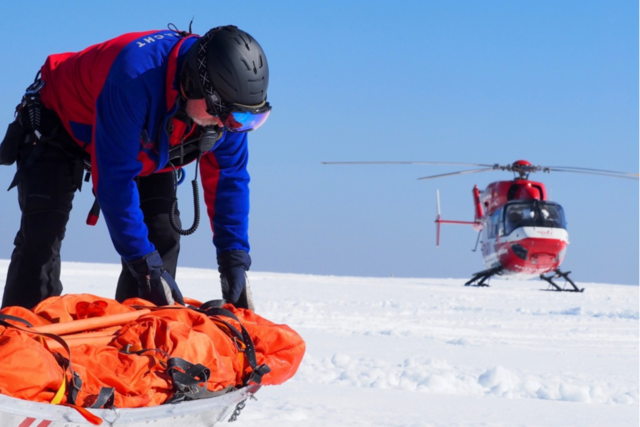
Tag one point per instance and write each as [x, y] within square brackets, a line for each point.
[34, 87]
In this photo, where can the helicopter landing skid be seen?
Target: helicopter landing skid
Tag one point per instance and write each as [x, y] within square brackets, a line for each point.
[553, 286]
[479, 278]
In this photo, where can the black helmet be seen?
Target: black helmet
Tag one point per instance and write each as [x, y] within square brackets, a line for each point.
[226, 66]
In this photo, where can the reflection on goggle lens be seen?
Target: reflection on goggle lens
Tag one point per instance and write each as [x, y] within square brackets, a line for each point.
[237, 117]
[243, 121]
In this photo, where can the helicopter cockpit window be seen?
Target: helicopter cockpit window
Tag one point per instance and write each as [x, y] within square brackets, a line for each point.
[533, 214]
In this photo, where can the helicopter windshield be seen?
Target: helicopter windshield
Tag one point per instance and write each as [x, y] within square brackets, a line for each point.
[533, 214]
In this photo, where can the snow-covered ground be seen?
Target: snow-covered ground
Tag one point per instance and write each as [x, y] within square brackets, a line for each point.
[430, 352]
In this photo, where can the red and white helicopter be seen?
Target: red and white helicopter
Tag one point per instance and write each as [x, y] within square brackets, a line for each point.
[521, 233]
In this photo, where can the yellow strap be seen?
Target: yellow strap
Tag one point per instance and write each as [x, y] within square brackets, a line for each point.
[61, 391]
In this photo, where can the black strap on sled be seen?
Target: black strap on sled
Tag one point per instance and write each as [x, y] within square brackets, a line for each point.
[105, 398]
[213, 309]
[186, 377]
[190, 381]
[257, 371]
[15, 319]
[127, 350]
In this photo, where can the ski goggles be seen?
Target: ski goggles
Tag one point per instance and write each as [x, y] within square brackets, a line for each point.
[243, 118]
[238, 117]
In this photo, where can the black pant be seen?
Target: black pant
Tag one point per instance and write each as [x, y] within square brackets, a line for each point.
[45, 196]
[156, 193]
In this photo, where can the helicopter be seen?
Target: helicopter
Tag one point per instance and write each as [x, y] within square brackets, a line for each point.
[522, 234]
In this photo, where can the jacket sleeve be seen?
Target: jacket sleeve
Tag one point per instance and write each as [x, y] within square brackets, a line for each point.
[226, 192]
[120, 118]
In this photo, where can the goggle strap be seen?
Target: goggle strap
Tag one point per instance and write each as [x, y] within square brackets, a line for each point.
[210, 95]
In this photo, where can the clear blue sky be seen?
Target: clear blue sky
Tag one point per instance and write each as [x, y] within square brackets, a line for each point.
[555, 83]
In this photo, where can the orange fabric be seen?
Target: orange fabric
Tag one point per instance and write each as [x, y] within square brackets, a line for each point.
[77, 306]
[278, 346]
[74, 341]
[185, 334]
[132, 358]
[138, 380]
[29, 370]
[25, 314]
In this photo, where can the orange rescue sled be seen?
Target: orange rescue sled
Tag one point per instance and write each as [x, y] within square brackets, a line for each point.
[135, 364]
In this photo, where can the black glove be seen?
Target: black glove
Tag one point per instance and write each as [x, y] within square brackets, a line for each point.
[155, 284]
[232, 266]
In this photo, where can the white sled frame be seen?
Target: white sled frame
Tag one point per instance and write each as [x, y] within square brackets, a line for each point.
[196, 413]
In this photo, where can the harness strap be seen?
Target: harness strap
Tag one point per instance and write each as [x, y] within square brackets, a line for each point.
[94, 213]
[38, 148]
[30, 114]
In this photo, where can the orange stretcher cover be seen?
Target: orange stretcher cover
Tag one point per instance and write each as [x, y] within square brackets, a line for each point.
[132, 357]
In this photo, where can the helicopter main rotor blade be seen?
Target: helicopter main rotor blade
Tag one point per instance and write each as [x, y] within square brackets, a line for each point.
[407, 163]
[457, 173]
[488, 167]
[626, 176]
[590, 170]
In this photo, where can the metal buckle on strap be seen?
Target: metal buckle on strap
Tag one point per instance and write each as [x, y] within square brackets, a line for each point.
[34, 87]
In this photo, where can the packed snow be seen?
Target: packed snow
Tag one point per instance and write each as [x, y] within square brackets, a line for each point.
[431, 352]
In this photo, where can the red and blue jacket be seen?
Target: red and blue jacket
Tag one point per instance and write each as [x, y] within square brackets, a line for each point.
[118, 99]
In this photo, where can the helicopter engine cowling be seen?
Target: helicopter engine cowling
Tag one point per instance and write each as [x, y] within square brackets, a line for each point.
[498, 193]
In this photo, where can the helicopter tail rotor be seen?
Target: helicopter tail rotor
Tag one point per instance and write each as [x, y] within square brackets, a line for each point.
[438, 218]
